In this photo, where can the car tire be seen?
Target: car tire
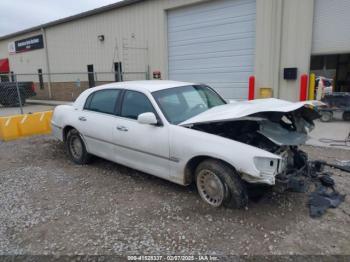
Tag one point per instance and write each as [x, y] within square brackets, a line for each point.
[219, 184]
[76, 148]
[346, 116]
[16, 101]
[13, 101]
[326, 116]
[5, 103]
[2, 102]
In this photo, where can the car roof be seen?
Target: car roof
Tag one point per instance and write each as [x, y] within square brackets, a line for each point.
[145, 85]
[142, 86]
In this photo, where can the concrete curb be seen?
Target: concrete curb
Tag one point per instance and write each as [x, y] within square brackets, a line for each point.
[48, 102]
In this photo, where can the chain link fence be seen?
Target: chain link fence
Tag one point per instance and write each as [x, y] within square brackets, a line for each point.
[18, 91]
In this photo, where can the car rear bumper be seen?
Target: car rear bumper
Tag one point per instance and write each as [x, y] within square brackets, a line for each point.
[57, 131]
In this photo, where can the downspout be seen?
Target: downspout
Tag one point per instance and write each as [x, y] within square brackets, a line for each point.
[280, 12]
[47, 62]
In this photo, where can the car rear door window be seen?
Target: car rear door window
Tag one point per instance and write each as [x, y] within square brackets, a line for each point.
[103, 101]
[134, 104]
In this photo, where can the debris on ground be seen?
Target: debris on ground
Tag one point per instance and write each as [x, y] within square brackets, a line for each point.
[50, 206]
[322, 198]
[325, 195]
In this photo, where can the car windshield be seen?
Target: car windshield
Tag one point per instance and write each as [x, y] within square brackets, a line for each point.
[181, 103]
[327, 82]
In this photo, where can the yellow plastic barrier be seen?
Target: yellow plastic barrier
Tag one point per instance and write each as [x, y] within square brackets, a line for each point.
[14, 127]
[9, 127]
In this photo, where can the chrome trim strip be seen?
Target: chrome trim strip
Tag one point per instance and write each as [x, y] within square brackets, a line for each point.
[56, 125]
[173, 159]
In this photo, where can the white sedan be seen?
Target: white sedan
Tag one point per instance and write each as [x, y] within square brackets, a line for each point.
[185, 133]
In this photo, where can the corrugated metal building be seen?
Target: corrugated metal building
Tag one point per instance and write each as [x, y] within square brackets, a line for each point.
[218, 42]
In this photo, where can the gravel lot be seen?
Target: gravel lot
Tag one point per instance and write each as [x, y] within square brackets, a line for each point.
[51, 206]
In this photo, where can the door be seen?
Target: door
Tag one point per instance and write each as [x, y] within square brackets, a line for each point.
[140, 146]
[96, 121]
[331, 30]
[91, 75]
[213, 43]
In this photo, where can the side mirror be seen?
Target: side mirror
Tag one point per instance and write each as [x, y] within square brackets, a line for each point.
[147, 119]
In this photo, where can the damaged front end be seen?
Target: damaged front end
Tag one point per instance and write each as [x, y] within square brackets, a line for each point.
[279, 133]
[279, 128]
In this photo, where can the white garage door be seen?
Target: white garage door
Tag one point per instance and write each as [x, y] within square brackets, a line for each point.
[331, 31]
[214, 43]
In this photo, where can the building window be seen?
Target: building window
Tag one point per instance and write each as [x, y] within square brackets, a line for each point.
[91, 75]
[41, 81]
[118, 72]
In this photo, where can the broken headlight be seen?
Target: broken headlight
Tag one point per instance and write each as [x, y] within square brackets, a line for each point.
[267, 165]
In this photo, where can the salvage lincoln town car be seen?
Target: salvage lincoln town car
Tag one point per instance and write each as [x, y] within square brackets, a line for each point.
[186, 132]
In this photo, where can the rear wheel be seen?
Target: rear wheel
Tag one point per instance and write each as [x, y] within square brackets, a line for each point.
[219, 185]
[326, 116]
[76, 148]
[13, 100]
[16, 100]
[346, 116]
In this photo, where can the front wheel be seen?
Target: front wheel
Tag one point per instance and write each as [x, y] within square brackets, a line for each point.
[219, 184]
[76, 148]
[326, 116]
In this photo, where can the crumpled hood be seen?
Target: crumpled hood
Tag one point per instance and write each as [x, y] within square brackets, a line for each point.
[241, 109]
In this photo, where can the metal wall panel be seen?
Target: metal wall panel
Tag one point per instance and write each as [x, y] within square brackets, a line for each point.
[26, 62]
[296, 38]
[74, 45]
[331, 29]
[283, 39]
[214, 43]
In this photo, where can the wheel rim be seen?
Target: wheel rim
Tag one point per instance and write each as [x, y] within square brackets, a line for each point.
[326, 117]
[346, 116]
[210, 187]
[76, 147]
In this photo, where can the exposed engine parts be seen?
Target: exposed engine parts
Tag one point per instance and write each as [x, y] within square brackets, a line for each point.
[280, 134]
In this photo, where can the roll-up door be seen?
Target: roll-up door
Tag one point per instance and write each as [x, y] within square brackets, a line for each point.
[331, 29]
[213, 43]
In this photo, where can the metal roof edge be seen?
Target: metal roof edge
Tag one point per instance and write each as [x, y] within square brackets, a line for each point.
[73, 17]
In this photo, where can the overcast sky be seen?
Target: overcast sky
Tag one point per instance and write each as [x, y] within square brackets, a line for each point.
[17, 15]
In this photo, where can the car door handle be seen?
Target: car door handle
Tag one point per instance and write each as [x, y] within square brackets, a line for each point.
[81, 118]
[122, 128]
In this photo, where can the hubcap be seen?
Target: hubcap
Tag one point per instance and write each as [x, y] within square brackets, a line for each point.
[76, 147]
[326, 117]
[210, 187]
